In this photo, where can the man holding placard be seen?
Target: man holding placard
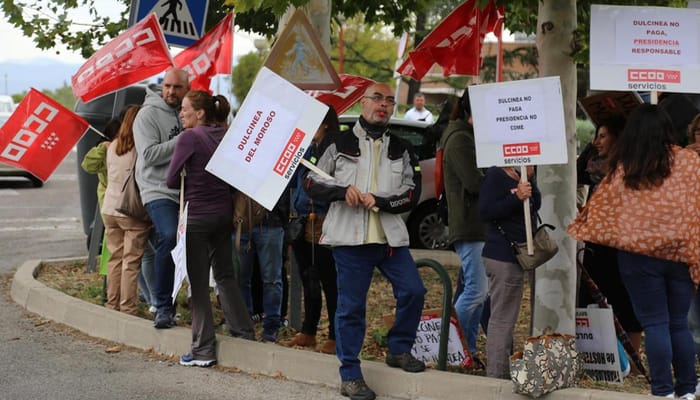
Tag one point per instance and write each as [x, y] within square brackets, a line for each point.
[374, 177]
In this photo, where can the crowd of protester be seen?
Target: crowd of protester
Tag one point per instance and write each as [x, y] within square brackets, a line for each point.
[633, 164]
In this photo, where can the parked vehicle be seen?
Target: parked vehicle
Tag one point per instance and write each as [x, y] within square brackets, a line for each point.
[7, 106]
[425, 229]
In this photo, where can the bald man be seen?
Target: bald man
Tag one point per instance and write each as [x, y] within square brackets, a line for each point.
[155, 133]
[376, 177]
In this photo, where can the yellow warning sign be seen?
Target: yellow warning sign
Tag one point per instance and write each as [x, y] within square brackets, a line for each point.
[298, 57]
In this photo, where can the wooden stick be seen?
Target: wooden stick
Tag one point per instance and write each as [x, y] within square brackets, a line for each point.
[526, 208]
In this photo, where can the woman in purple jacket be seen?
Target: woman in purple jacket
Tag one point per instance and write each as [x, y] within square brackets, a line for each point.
[209, 225]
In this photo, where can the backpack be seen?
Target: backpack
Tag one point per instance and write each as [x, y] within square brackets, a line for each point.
[246, 214]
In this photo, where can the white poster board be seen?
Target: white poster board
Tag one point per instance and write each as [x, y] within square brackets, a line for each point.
[269, 136]
[519, 123]
[645, 48]
[596, 343]
[427, 344]
[179, 253]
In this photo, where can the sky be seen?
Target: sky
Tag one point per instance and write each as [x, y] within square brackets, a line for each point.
[17, 47]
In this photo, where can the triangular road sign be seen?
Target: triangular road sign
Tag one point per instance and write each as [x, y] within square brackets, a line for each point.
[298, 57]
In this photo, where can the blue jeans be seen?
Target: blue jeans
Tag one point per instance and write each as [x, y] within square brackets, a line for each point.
[355, 266]
[164, 214]
[694, 322]
[267, 243]
[470, 301]
[660, 292]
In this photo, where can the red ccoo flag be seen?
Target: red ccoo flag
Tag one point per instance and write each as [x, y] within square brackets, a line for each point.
[455, 44]
[351, 90]
[39, 134]
[137, 54]
[209, 56]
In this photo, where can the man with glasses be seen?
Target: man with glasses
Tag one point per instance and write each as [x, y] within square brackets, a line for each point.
[375, 178]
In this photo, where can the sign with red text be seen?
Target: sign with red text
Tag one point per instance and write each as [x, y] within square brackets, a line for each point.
[519, 123]
[645, 48]
[596, 343]
[268, 138]
[39, 134]
[136, 54]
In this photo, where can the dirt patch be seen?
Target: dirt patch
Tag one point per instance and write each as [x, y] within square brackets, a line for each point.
[74, 280]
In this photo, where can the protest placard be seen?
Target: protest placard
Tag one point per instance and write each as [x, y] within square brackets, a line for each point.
[645, 48]
[268, 138]
[179, 253]
[596, 343]
[426, 345]
[519, 123]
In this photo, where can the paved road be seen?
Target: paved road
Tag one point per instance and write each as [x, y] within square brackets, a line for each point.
[44, 360]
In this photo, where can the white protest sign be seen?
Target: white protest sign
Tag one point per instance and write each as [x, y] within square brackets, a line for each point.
[426, 346]
[596, 343]
[179, 253]
[269, 136]
[519, 123]
[645, 48]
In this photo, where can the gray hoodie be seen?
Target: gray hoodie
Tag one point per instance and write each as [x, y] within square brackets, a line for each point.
[155, 133]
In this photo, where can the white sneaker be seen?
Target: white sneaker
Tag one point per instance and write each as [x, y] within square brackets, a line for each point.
[688, 396]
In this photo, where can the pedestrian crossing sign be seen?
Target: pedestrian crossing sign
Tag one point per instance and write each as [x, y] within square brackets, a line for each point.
[298, 57]
[182, 21]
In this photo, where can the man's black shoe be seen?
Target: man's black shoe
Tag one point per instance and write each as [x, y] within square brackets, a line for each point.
[356, 389]
[405, 361]
[163, 320]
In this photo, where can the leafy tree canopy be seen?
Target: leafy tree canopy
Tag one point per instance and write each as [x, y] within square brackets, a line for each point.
[48, 22]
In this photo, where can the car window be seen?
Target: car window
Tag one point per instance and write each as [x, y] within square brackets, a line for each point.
[416, 135]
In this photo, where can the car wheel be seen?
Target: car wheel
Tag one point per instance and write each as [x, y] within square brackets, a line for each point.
[36, 182]
[425, 228]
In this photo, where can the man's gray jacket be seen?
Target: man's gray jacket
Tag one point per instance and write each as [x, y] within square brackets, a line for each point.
[348, 159]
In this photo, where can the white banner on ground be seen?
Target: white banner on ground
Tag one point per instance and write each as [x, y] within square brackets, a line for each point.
[179, 253]
[645, 48]
[519, 123]
[596, 343]
[267, 139]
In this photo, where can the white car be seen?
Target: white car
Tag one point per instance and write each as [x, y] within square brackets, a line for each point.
[425, 229]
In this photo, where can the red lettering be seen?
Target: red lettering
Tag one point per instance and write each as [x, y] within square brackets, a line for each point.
[521, 149]
[653, 75]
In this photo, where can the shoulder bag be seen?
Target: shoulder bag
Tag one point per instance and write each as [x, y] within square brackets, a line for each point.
[545, 247]
[130, 202]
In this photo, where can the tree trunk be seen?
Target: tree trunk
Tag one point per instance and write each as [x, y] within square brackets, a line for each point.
[414, 85]
[555, 284]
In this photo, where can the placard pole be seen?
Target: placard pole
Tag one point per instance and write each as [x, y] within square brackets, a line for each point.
[526, 209]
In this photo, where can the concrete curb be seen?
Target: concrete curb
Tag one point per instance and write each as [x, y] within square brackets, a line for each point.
[265, 358]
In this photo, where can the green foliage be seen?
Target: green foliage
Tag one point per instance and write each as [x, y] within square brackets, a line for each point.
[244, 74]
[585, 131]
[365, 50]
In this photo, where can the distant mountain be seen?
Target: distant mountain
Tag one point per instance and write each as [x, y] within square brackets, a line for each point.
[40, 73]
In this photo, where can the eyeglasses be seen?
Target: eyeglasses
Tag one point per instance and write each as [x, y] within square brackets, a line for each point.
[378, 98]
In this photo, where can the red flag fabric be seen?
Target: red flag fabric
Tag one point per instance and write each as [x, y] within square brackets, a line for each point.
[455, 44]
[137, 54]
[351, 90]
[39, 134]
[210, 55]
